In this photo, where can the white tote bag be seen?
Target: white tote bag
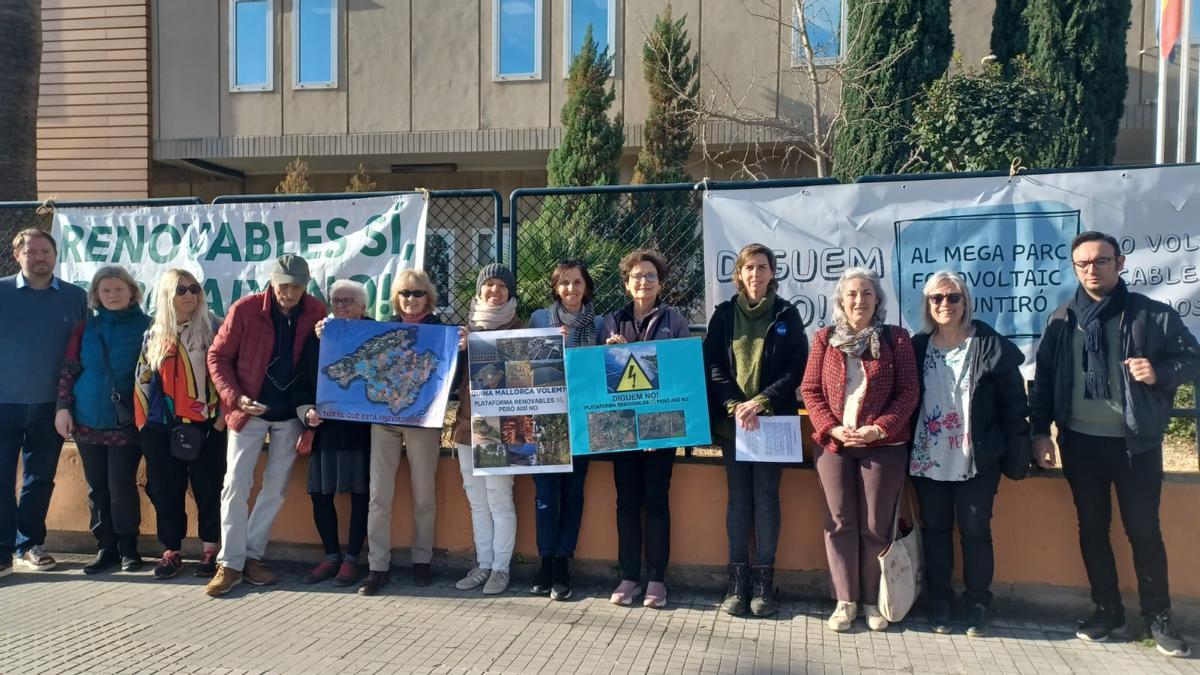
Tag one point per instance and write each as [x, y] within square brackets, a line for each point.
[902, 566]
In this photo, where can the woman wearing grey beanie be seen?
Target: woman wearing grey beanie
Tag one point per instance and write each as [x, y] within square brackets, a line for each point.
[493, 516]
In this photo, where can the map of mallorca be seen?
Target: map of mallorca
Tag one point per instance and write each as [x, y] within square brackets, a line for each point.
[391, 369]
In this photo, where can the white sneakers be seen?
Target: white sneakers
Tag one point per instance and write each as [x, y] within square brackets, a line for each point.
[875, 620]
[474, 579]
[844, 614]
[494, 582]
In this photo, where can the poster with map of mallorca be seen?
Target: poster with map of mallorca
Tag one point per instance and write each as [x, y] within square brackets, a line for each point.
[637, 396]
[386, 373]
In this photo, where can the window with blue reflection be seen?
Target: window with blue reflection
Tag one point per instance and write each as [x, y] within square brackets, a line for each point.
[518, 38]
[252, 44]
[824, 21]
[316, 42]
[581, 14]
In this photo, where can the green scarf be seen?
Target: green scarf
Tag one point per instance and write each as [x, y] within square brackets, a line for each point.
[750, 324]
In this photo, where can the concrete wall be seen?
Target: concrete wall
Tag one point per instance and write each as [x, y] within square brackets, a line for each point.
[1034, 524]
[412, 66]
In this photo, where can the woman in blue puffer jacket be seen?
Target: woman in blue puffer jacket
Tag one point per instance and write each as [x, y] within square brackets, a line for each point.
[95, 406]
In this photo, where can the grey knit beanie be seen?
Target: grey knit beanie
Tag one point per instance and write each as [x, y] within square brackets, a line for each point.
[496, 271]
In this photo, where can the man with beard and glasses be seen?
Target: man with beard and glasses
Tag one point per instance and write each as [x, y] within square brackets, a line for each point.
[38, 311]
[1108, 366]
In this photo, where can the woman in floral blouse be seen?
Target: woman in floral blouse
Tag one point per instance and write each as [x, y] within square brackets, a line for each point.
[970, 427]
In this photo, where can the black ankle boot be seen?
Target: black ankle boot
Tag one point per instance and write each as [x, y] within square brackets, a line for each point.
[560, 589]
[737, 597]
[105, 558]
[763, 603]
[545, 576]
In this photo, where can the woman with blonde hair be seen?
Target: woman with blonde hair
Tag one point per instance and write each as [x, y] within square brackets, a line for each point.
[414, 300]
[178, 414]
[95, 399]
[970, 428]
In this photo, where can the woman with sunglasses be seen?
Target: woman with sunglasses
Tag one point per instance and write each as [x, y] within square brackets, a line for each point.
[559, 498]
[174, 390]
[414, 300]
[339, 463]
[971, 425]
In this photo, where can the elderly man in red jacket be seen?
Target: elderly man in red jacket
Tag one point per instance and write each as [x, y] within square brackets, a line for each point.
[253, 364]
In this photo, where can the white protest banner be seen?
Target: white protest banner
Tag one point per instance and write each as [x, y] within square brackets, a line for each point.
[1010, 238]
[230, 248]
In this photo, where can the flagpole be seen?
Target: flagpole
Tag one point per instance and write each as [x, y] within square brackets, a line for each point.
[1185, 57]
[1160, 123]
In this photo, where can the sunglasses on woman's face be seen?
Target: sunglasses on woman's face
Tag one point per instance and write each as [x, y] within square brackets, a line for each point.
[194, 289]
[937, 298]
[411, 294]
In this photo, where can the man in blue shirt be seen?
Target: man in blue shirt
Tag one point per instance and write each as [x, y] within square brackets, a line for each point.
[37, 313]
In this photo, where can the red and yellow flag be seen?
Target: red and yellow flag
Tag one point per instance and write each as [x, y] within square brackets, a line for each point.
[1171, 23]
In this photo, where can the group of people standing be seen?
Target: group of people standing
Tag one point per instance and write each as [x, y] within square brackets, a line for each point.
[946, 409]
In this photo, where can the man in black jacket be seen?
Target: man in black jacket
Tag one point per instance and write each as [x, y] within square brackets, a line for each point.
[1107, 370]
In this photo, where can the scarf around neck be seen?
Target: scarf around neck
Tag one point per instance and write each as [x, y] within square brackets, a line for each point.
[582, 326]
[1091, 316]
[486, 317]
[856, 342]
[750, 325]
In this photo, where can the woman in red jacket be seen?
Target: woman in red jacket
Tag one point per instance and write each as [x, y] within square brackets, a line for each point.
[860, 388]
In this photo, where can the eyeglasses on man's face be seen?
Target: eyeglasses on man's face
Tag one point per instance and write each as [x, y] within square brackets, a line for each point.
[1099, 263]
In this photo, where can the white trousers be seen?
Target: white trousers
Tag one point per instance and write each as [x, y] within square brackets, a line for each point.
[244, 534]
[493, 516]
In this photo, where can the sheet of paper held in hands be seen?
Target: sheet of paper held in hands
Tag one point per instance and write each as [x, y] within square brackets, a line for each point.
[778, 439]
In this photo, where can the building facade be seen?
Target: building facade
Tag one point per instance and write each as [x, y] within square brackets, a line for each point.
[206, 97]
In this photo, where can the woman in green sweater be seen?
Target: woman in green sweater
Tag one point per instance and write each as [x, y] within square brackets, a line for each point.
[755, 352]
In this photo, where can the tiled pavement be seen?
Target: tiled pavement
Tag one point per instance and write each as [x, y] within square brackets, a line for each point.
[61, 621]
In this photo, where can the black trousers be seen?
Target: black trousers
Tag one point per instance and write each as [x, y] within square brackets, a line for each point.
[167, 481]
[116, 507]
[753, 507]
[970, 503]
[326, 519]
[1093, 465]
[643, 481]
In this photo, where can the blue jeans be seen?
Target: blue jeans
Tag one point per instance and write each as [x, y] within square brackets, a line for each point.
[26, 431]
[560, 509]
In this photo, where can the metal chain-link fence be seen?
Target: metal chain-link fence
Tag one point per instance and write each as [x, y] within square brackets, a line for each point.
[598, 226]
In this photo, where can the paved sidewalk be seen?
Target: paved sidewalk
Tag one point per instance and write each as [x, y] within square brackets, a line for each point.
[62, 621]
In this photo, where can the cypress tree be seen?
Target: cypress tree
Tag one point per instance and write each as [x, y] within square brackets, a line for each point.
[1078, 46]
[1009, 33]
[590, 152]
[669, 221]
[672, 76]
[896, 47]
[578, 226]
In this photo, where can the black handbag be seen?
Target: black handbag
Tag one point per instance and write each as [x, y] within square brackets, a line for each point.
[187, 440]
[124, 414]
